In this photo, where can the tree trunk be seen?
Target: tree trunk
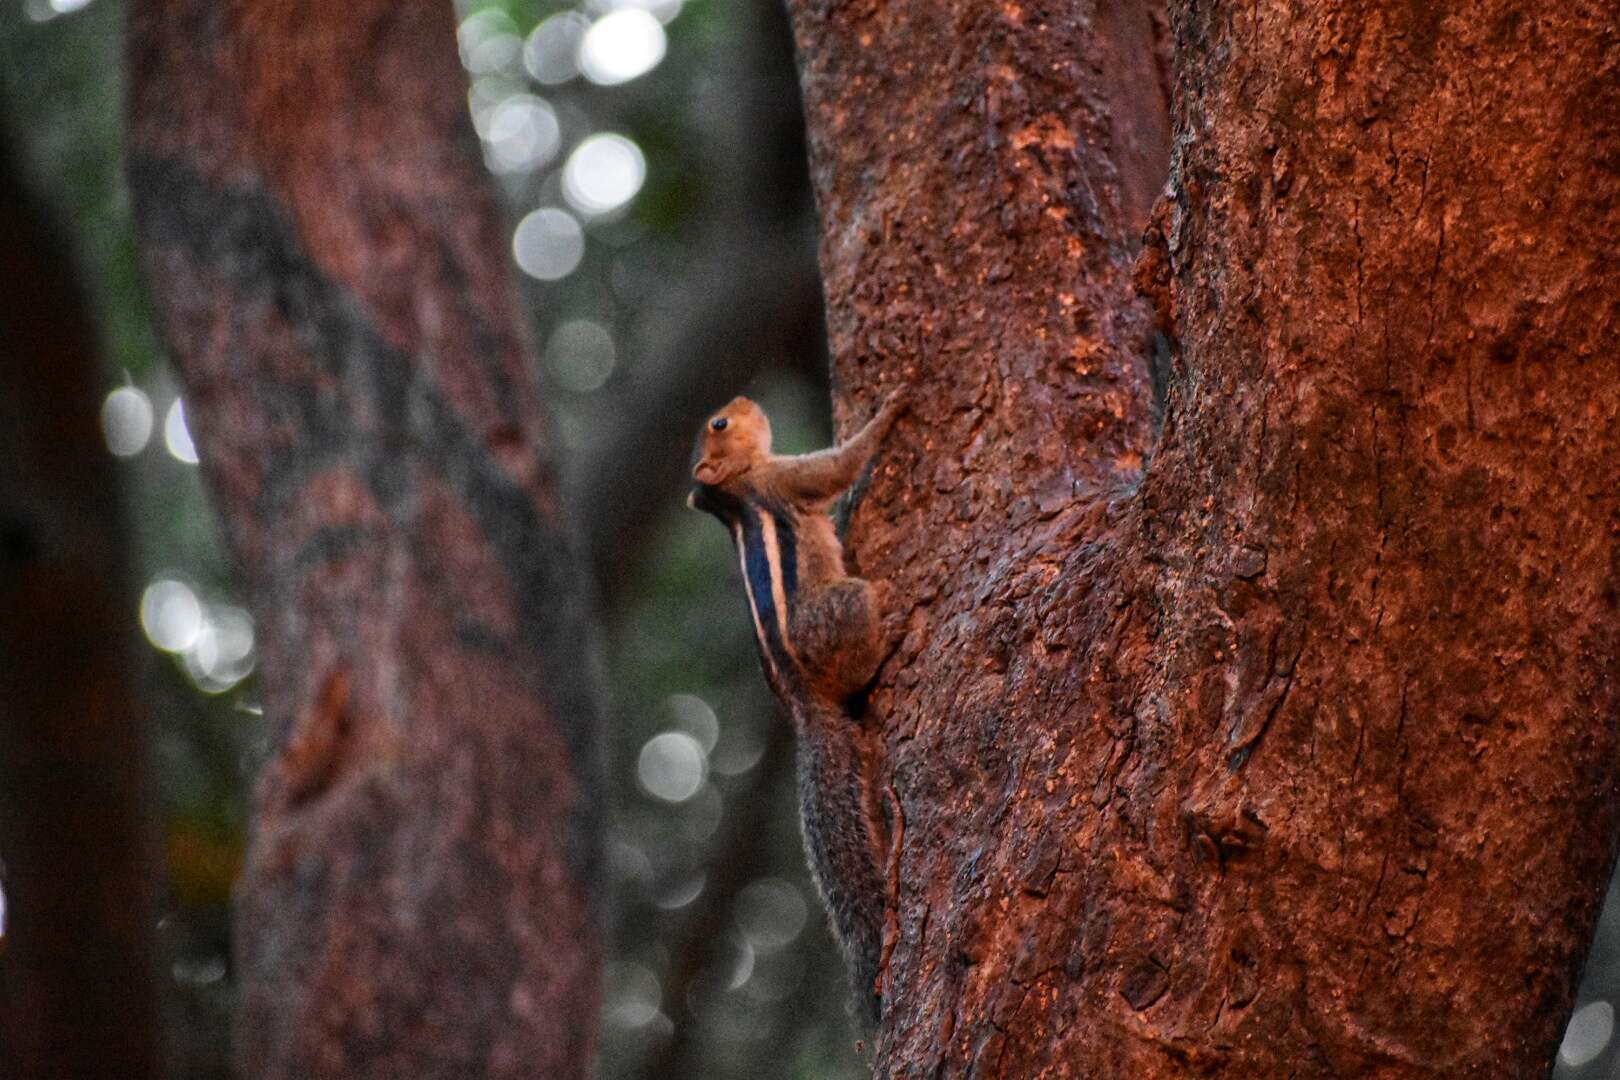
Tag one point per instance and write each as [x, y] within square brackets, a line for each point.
[331, 269]
[1295, 755]
[77, 997]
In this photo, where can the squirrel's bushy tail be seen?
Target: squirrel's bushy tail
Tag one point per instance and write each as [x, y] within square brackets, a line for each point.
[842, 817]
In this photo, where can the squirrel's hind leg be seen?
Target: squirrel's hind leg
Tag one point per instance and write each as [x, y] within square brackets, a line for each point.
[838, 633]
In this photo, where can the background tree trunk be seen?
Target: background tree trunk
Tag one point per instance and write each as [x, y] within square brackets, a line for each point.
[331, 270]
[1294, 757]
[77, 996]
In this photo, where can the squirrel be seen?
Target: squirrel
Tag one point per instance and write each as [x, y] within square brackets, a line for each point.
[821, 640]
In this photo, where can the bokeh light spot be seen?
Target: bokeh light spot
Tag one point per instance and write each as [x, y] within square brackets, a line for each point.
[126, 420]
[171, 615]
[483, 94]
[696, 717]
[664, 10]
[633, 995]
[743, 970]
[581, 355]
[739, 751]
[1588, 1034]
[522, 132]
[43, 10]
[549, 54]
[488, 41]
[675, 896]
[620, 46]
[548, 244]
[177, 435]
[671, 766]
[770, 913]
[627, 861]
[603, 173]
[222, 654]
[702, 814]
[198, 972]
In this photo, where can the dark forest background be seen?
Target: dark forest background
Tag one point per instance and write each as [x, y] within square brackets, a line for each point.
[650, 156]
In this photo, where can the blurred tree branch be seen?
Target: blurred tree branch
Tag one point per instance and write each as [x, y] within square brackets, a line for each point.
[76, 990]
[749, 301]
[751, 296]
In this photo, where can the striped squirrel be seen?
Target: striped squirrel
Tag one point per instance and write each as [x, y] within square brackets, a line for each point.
[821, 639]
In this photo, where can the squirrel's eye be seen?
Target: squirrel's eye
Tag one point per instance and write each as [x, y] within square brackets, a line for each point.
[718, 423]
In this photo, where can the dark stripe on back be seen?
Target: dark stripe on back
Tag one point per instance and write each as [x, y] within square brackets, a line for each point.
[756, 559]
[789, 543]
[734, 511]
[788, 540]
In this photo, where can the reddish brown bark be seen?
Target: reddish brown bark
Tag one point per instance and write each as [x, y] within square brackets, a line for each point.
[1296, 756]
[77, 996]
[331, 270]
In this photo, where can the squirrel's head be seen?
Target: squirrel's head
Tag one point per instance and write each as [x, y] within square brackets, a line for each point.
[733, 440]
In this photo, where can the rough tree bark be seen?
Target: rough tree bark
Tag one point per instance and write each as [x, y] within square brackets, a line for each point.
[77, 996]
[1294, 756]
[331, 271]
